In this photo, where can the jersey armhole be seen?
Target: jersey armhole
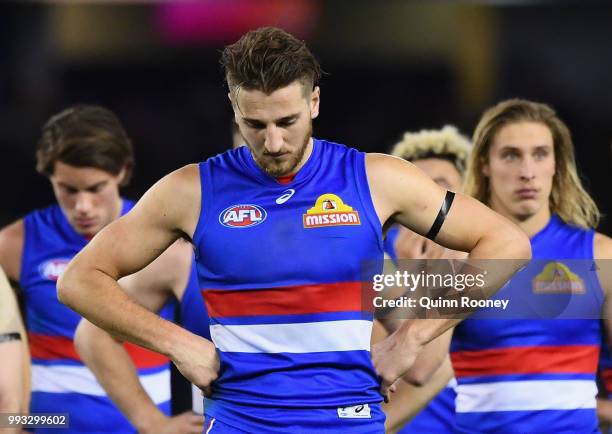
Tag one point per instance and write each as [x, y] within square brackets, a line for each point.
[590, 253]
[27, 234]
[206, 197]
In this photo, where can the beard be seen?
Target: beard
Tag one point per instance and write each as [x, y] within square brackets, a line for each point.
[276, 168]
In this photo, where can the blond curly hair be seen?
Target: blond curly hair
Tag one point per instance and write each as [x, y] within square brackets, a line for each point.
[446, 143]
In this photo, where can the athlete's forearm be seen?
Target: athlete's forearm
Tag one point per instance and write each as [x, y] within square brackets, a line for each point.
[409, 400]
[503, 242]
[111, 364]
[10, 318]
[14, 377]
[99, 298]
[12, 389]
[495, 258]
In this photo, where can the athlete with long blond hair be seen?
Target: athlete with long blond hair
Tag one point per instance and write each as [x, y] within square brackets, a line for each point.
[532, 374]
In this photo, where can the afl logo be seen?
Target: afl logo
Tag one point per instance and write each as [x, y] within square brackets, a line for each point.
[53, 268]
[242, 216]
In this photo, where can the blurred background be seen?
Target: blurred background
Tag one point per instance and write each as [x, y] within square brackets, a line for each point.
[392, 65]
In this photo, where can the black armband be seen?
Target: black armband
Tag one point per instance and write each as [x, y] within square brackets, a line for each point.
[437, 224]
[7, 337]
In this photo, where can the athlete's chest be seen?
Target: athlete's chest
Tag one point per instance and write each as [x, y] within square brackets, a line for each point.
[322, 228]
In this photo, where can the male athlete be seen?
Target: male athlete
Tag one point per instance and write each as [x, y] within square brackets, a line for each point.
[87, 156]
[531, 373]
[284, 230]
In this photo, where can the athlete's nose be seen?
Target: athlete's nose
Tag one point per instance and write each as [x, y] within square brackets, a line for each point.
[274, 139]
[84, 203]
[527, 169]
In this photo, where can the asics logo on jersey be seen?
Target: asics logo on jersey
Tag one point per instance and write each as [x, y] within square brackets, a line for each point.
[53, 268]
[286, 196]
[242, 216]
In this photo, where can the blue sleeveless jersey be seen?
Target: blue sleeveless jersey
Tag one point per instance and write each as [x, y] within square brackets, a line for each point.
[61, 383]
[534, 375]
[281, 269]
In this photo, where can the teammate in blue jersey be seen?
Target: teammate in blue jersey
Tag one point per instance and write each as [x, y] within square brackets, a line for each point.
[441, 154]
[526, 374]
[284, 230]
[87, 156]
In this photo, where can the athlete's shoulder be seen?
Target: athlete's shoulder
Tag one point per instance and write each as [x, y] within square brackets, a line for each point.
[390, 171]
[48, 214]
[377, 160]
[334, 147]
[11, 248]
[564, 231]
[602, 246]
[175, 191]
[183, 176]
[227, 158]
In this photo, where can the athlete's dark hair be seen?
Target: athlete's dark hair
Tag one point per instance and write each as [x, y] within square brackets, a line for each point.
[85, 136]
[268, 59]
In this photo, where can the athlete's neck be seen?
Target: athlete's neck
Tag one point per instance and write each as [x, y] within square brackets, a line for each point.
[531, 225]
[284, 180]
[307, 154]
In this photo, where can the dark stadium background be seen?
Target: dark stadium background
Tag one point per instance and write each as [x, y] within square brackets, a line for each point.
[391, 66]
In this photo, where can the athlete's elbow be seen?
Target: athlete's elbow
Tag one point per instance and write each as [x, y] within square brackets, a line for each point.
[517, 243]
[10, 402]
[418, 376]
[68, 287]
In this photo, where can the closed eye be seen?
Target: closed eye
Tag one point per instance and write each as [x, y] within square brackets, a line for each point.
[254, 125]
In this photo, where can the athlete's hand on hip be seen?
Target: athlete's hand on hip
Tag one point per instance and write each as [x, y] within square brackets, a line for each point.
[391, 359]
[184, 423]
[198, 361]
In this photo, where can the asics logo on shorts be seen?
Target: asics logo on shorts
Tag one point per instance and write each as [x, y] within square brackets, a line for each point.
[361, 411]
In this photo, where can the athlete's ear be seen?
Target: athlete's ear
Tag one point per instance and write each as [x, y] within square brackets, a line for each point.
[233, 97]
[485, 168]
[315, 100]
[121, 175]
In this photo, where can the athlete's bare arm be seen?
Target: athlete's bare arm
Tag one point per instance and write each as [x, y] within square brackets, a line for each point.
[603, 257]
[14, 387]
[11, 249]
[16, 363]
[403, 193]
[409, 399]
[167, 212]
[151, 287]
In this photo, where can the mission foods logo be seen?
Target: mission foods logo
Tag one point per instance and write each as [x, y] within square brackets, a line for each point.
[53, 268]
[330, 210]
[242, 216]
[557, 278]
